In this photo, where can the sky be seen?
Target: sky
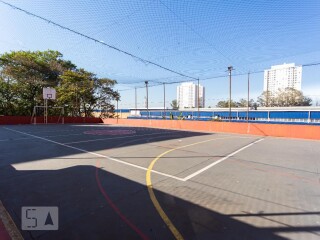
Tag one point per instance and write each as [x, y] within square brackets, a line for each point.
[197, 38]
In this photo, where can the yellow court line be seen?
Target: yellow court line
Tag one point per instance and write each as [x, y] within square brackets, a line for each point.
[154, 200]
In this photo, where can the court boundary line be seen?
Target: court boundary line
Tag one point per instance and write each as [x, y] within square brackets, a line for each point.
[149, 170]
[96, 154]
[149, 184]
[145, 168]
[192, 175]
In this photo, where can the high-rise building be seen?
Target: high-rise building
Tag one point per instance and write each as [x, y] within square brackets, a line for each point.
[187, 95]
[280, 77]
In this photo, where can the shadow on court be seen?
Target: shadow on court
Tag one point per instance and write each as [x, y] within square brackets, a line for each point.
[97, 204]
[85, 213]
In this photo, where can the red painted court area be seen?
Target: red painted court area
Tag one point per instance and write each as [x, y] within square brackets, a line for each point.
[110, 132]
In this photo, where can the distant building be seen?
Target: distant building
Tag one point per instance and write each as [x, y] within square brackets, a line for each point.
[187, 95]
[280, 77]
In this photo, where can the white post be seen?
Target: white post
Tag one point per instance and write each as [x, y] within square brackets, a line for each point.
[45, 120]
[309, 117]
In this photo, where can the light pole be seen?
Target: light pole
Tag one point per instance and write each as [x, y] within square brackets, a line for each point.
[267, 97]
[135, 100]
[230, 68]
[117, 106]
[248, 97]
[164, 100]
[198, 99]
[147, 100]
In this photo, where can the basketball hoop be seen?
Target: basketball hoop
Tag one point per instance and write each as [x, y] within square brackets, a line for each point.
[49, 93]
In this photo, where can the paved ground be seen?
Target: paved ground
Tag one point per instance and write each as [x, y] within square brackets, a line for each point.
[112, 182]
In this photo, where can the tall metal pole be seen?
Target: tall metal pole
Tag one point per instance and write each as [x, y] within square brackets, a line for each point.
[46, 111]
[62, 115]
[248, 103]
[117, 110]
[117, 99]
[267, 100]
[164, 100]
[135, 100]
[230, 68]
[198, 99]
[77, 99]
[147, 103]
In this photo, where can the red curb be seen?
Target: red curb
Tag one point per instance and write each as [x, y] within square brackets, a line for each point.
[4, 235]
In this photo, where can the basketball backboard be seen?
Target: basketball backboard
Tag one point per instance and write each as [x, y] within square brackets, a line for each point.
[49, 93]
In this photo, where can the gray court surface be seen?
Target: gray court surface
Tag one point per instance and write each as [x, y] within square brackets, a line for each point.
[209, 185]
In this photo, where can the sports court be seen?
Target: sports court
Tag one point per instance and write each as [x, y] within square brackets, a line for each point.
[118, 182]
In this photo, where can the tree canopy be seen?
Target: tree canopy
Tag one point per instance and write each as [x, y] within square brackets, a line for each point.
[241, 103]
[23, 75]
[284, 98]
[174, 104]
[288, 97]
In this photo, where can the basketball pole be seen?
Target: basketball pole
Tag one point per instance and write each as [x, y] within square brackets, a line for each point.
[46, 111]
[34, 114]
[62, 115]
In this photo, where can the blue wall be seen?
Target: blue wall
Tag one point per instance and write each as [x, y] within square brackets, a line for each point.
[241, 114]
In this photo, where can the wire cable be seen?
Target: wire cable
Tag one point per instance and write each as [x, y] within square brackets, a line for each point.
[98, 41]
[214, 77]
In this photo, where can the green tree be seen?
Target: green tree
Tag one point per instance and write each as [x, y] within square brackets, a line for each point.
[244, 103]
[23, 75]
[292, 97]
[225, 104]
[174, 104]
[105, 95]
[8, 97]
[284, 98]
[32, 71]
[267, 99]
[82, 92]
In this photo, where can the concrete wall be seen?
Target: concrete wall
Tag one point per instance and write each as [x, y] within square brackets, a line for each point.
[276, 130]
[8, 120]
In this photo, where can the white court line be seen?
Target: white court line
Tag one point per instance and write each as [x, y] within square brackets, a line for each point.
[143, 168]
[220, 160]
[126, 136]
[96, 154]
